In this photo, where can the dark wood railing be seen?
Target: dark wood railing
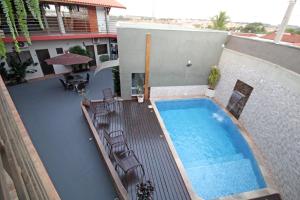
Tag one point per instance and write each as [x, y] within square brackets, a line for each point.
[22, 173]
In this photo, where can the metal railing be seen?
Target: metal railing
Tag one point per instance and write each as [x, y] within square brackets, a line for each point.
[72, 25]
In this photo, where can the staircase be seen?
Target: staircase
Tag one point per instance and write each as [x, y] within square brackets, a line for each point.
[222, 176]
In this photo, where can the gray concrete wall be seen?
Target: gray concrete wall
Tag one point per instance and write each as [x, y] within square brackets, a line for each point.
[271, 115]
[170, 51]
[283, 55]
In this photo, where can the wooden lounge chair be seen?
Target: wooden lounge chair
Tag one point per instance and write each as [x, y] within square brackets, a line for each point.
[127, 161]
[100, 114]
[115, 139]
[109, 98]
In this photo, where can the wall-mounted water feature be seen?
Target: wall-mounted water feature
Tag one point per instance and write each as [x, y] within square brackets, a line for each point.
[239, 98]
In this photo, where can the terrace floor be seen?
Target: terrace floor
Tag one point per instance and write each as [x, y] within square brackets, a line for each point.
[145, 137]
[60, 134]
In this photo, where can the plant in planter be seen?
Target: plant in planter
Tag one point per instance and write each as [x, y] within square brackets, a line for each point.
[18, 70]
[213, 80]
[140, 89]
[144, 190]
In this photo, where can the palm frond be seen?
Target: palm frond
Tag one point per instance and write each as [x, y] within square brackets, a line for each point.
[22, 18]
[34, 8]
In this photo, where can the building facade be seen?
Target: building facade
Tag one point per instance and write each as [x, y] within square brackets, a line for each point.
[67, 24]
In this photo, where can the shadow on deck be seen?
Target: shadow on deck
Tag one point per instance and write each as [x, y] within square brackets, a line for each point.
[145, 137]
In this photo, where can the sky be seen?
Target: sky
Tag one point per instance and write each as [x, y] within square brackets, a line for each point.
[266, 11]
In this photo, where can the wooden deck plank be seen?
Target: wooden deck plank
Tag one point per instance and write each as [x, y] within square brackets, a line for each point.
[146, 139]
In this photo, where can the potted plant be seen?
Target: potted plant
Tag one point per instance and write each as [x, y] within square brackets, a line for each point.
[140, 95]
[144, 190]
[213, 80]
[140, 90]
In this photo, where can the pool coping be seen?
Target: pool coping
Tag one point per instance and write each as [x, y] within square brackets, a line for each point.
[270, 185]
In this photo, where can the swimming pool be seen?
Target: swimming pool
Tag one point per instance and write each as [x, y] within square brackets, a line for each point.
[216, 157]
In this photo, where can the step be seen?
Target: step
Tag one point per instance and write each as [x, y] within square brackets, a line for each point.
[210, 161]
[223, 179]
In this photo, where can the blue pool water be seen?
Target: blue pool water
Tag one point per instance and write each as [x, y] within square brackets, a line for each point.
[216, 157]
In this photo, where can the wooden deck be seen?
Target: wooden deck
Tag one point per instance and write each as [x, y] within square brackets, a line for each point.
[146, 139]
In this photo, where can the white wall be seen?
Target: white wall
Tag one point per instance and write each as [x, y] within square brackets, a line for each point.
[101, 19]
[51, 46]
[271, 115]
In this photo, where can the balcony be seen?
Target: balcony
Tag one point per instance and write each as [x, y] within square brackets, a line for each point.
[65, 21]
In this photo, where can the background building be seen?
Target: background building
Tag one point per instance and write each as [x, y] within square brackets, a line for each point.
[67, 23]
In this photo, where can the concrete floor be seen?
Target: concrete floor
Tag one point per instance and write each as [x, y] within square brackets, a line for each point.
[60, 134]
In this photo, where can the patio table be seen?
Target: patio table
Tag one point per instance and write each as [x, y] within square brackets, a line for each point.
[76, 80]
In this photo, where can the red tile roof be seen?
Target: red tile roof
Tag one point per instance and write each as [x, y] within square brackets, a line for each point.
[287, 37]
[102, 3]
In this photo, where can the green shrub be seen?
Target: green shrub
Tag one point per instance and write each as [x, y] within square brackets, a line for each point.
[214, 77]
[104, 58]
[79, 50]
[18, 70]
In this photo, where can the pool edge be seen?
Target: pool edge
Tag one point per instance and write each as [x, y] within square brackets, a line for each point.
[270, 185]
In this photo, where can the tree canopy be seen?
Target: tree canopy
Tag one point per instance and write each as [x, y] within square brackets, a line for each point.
[16, 11]
[292, 30]
[255, 27]
[219, 21]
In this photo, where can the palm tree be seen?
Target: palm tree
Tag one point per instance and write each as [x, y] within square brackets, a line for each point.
[219, 21]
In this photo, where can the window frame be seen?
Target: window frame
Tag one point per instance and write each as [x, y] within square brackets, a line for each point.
[98, 50]
[59, 48]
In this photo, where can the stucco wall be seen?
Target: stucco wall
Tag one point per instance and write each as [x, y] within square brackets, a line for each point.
[170, 51]
[51, 46]
[271, 115]
[283, 55]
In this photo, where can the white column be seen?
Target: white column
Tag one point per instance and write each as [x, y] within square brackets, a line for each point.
[285, 21]
[60, 20]
[96, 55]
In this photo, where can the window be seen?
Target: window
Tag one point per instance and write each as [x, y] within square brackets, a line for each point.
[137, 84]
[102, 49]
[23, 56]
[59, 50]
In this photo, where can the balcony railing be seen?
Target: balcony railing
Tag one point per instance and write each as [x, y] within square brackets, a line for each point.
[72, 25]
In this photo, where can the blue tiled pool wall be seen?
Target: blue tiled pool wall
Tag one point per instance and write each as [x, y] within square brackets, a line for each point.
[238, 140]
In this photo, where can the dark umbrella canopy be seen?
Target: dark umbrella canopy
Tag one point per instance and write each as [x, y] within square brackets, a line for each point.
[68, 59]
